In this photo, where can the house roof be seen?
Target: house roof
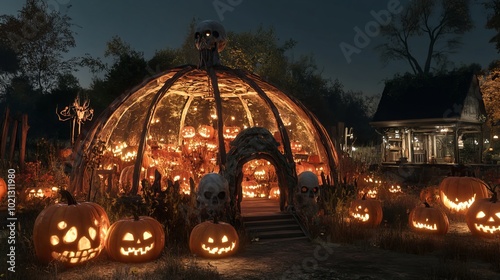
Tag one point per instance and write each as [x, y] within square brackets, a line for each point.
[424, 97]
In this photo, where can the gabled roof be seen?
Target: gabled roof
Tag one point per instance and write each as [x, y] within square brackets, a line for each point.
[425, 97]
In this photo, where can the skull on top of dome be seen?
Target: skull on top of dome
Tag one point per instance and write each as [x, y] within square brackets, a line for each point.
[210, 35]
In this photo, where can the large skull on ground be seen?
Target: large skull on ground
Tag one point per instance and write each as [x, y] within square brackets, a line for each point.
[308, 187]
[210, 35]
[213, 193]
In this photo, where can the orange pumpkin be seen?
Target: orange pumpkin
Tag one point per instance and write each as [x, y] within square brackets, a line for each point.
[458, 193]
[230, 132]
[483, 217]
[188, 132]
[274, 193]
[71, 233]
[213, 240]
[366, 211]
[428, 220]
[3, 188]
[134, 240]
[206, 131]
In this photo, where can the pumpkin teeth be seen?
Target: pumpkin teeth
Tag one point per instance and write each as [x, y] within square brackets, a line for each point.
[76, 257]
[360, 217]
[217, 250]
[424, 226]
[487, 229]
[136, 252]
[458, 206]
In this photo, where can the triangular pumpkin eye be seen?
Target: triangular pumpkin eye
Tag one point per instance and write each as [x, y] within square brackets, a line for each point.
[497, 214]
[224, 239]
[147, 235]
[210, 240]
[128, 237]
[480, 215]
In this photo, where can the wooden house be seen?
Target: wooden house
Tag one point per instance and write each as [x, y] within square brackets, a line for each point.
[431, 119]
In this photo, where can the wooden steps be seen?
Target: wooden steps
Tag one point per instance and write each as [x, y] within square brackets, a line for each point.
[263, 222]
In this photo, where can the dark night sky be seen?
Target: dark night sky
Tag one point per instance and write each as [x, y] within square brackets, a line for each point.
[318, 26]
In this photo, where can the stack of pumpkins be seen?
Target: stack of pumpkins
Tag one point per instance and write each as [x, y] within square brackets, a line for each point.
[77, 232]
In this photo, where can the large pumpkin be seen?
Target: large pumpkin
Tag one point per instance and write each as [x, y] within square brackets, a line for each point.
[71, 233]
[213, 240]
[137, 239]
[366, 211]
[428, 220]
[483, 217]
[458, 193]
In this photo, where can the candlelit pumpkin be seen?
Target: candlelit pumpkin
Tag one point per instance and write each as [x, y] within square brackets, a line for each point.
[274, 193]
[206, 131]
[3, 188]
[230, 132]
[137, 239]
[213, 240]
[483, 217]
[366, 211]
[188, 132]
[458, 193]
[428, 219]
[71, 233]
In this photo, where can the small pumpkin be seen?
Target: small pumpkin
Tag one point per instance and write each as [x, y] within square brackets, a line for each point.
[366, 211]
[483, 217]
[71, 233]
[274, 193]
[458, 193]
[230, 132]
[188, 132]
[3, 188]
[428, 219]
[212, 239]
[134, 240]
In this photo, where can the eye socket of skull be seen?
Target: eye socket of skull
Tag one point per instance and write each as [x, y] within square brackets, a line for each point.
[221, 195]
[304, 189]
[208, 195]
[197, 35]
[216, 34]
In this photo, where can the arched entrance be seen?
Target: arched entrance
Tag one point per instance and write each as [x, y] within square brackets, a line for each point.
[258, 143]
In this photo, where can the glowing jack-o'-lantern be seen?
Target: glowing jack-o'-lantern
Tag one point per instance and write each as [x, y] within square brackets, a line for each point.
[366, 211]
[230, 132]
[188, 132]
[458, 193]
[395, 189]
[206, 131]
[3, 188]
[483, 217]
[274, 193]
[71, 233]
[137, 239]
[213, 240]
[428, 220]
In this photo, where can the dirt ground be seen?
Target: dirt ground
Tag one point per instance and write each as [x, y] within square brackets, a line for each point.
[314, 260]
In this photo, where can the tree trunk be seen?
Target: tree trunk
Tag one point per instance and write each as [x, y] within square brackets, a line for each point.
[24, 135]
[13, 138]
[5, 131]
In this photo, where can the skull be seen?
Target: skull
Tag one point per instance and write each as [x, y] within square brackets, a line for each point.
[213, 193]
[210, 35]
[308, 187]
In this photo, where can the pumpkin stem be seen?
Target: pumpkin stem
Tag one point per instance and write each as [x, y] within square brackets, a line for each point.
[364, 196]
[427, 205]
[69, 198]
[493, 190]
[216, 219]
[136, 217]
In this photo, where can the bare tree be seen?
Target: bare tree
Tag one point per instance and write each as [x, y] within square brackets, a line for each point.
[438, 23]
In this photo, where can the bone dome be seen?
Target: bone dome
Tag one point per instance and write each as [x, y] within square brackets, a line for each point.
[181, 123]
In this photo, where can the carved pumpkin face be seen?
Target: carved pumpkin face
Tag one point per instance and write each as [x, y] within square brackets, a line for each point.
[213, 240]
[188, 132]
[366, 211]
[72, 233]
[428, 219]
[395, 189]
[458, 193]
[274, 193]
[138, 239]
[230, 132]
[206, 131]
[483, 217]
